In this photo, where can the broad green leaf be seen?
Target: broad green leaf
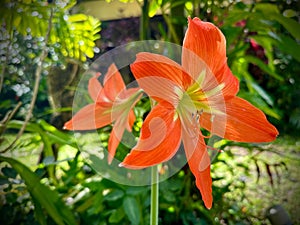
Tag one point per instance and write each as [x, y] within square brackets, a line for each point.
[114, 195]
[288, 45]
[235, 16]
[136, 190]
[262, 66]
[267, 8]
[47, 198]
[38, 212]
[263, 93]
[132, 210]
[240, 69]
[267, 44]
[271, 12]
[291, 25]
[116, 216]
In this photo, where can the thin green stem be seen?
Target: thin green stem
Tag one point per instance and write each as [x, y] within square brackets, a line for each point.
[154, 196]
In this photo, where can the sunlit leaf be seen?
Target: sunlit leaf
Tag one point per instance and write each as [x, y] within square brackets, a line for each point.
[153, 8]
[77, 18]
[263, 94]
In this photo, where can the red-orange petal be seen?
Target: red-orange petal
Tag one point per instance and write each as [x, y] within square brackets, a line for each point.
[90, 117]
[242, 122]
[199, 163]
[94, 87]
[159, 141]
[158, 75]
[113, 83]
[164, 64]
[114, 140]
[131, 120]
[207, 41]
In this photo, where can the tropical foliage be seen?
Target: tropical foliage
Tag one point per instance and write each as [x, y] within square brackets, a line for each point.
[45, 179]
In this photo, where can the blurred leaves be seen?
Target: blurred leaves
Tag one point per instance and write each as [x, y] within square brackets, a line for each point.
[263, 52]
[72, 35]
[43, 196]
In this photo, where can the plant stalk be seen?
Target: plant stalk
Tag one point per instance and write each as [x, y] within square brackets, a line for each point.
[154, 196]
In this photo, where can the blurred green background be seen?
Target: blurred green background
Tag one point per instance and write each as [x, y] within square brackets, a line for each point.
[45, 49]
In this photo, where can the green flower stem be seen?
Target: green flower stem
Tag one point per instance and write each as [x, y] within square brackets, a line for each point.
[154, 196]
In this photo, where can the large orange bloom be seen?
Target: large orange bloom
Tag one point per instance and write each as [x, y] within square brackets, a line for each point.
[112, 104]
[199, 93]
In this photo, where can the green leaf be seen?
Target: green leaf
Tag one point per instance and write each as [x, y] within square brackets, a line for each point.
[116, 216]
[132, 210]
[77, 18]
[288, 45]
[153, 8]
[38, 212]
[263, 93]
[271, 12]
[263, 66]
[291, 25]
[114, 195]
[47, 198]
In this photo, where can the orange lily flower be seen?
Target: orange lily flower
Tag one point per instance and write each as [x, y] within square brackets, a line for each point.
[200, 93]
[112, 104]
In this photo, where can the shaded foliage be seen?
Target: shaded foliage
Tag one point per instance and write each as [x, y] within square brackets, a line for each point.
[61, 188]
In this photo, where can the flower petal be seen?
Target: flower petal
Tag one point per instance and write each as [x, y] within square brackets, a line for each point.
[199, 163]
[159, 65]
[159, 141]
[90, 117]
[131, 120]
[94, 87]
[207, 41]
[242, 122]
[114, 140]
[158, 75]
[113, 83]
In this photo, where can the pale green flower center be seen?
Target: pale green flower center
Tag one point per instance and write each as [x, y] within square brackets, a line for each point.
[194, 101]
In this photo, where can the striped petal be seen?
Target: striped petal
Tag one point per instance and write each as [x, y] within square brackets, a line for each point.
[159, 141]
[92, 116]
[199, 163]
[241, 122]
[159, 76]
[206, 41]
